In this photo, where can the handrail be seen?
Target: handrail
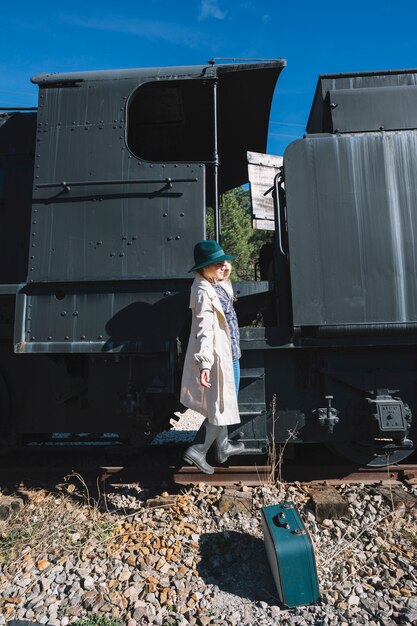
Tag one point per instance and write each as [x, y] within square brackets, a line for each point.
[80, 183]
[279, 225]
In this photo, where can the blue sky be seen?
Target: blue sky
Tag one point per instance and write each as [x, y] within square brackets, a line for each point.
[314, 37]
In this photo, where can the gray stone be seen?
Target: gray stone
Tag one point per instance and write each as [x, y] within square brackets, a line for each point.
[88, 583]
[45, 584]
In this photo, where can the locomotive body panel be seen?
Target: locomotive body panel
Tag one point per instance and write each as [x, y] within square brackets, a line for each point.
[352, 229]
[17, 146]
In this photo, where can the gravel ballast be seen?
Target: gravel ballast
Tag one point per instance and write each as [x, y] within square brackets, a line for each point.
[193, 558]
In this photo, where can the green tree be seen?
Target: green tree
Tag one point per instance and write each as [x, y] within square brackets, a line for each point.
[237, 236]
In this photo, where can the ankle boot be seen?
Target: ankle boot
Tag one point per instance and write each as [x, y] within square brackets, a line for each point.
[225, 448]
[196, 454]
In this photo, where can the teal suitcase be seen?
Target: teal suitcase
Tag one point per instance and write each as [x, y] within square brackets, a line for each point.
[290, 553]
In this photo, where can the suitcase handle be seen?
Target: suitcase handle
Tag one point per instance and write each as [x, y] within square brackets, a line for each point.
[279, 520]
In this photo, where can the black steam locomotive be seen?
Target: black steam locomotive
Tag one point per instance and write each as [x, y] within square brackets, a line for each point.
[104, 191]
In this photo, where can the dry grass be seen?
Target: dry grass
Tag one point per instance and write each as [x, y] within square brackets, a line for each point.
[54, 528]
[276, 452]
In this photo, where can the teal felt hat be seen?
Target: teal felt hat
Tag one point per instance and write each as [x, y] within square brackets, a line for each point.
[207, 252]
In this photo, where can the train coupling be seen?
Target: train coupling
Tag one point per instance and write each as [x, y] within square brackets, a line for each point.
[328, 416]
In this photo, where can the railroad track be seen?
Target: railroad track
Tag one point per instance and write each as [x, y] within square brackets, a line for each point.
[164, 467]
[334, 475]
[223, 476]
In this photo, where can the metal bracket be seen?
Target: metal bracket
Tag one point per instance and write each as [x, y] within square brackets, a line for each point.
[328, 416]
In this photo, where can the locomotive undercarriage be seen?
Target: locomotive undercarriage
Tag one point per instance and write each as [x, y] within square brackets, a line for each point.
[358, 399]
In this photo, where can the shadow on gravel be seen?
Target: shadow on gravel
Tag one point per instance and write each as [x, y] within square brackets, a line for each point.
[237, 563]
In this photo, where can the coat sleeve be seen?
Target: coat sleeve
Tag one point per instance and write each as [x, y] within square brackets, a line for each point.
[204, 314]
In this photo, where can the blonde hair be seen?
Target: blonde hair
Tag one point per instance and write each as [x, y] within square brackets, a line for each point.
[228, 270]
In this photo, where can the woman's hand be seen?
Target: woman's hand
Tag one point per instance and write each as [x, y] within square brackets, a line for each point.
[205, 378]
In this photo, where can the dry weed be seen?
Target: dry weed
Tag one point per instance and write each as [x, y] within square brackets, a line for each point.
[52, 529]
[276, 452]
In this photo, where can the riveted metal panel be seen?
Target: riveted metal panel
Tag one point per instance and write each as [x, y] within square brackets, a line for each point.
[352, 229]
[320, 119]
[122, 317]
[100, 213]
[385, 108]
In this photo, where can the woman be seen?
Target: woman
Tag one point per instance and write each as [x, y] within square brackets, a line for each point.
[211, 369]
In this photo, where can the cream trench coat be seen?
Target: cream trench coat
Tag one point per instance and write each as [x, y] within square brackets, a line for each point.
[209, 347]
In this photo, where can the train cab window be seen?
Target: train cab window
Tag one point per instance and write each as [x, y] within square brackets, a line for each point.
[172, 121]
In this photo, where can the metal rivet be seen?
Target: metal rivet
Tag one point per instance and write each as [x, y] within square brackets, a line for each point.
[63, 313]
[49, 338]
[182, 214]
[169, 238]
[177, 237]
[164, 214]
[66, 337]
[82, 336]
[100, 337]
[75, 313]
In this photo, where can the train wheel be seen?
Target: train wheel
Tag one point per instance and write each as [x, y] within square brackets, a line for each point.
[368, 455]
